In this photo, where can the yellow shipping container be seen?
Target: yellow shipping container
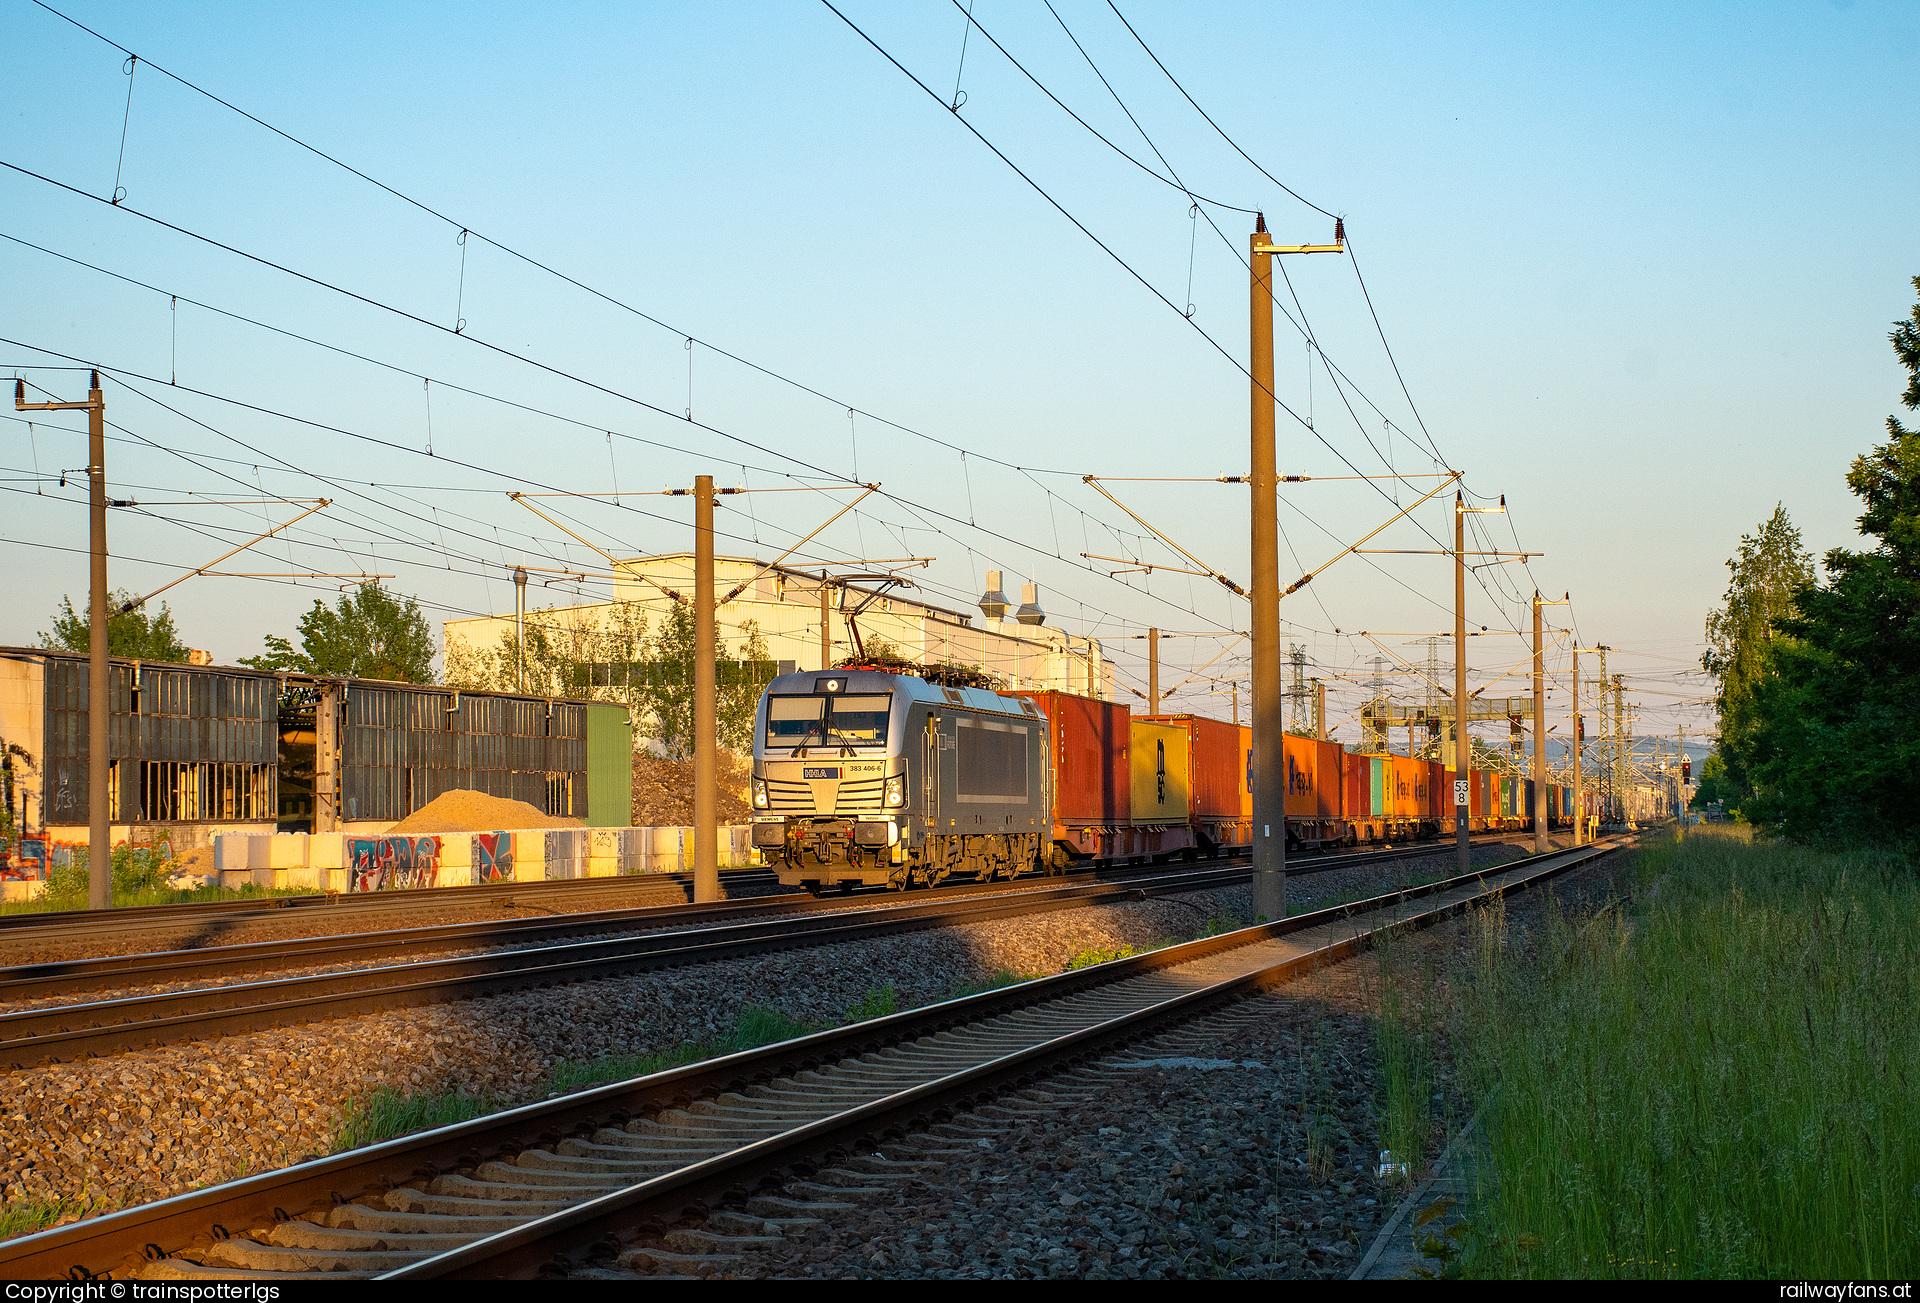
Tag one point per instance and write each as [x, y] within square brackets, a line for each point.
[1162, 771]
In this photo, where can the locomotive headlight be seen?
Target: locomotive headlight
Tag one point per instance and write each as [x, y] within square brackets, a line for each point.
[759, 793]
[896, 791]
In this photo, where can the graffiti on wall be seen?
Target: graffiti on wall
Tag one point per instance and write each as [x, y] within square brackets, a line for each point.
[392, 863]
[25, 860]
[492, 857]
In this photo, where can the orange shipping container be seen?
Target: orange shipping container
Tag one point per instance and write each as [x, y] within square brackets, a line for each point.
[1313, 778]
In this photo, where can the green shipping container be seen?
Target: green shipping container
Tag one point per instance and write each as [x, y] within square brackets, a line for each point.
[609, 766]
[1379, 785]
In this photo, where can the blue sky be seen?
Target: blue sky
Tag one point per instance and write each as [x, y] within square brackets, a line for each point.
[1636, 266]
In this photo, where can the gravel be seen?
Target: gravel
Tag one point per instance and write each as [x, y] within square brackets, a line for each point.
[1188, 1156]
[142, 1126]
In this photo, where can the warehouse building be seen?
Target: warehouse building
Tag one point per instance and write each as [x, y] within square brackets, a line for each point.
[198, 750]
[809, 621]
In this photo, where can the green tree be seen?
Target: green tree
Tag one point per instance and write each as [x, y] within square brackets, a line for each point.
[1771, 567]
[1713, 785]
[133, 634]
[1834, 756]
[666, 694]
[606, 653]
[368, 634]
[588, 652]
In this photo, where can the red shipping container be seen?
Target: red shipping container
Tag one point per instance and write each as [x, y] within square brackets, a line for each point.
[1216, 772]
[1091, 781]
[1357, 787]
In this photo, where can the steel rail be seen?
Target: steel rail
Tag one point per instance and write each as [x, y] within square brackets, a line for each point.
[94, 923]
[113, 1243]
[66, 1033]
[63, 976]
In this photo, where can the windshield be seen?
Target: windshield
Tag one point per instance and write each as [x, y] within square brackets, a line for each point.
[858, 719]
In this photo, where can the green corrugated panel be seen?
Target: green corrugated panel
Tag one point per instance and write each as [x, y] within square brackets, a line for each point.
[609, 767]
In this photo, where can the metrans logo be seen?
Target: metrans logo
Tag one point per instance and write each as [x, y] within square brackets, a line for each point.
[821, 771]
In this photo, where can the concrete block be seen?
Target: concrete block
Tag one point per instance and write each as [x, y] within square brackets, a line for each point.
[456, 858]
[11, 891]
[529, 856]
[284, 850]
[670, 850]
[232, 852]
[327, 851]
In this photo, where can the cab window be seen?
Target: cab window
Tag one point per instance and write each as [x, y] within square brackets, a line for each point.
[792, 720]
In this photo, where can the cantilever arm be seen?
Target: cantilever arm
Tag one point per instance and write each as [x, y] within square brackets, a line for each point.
[138, 602]
[1205, 569]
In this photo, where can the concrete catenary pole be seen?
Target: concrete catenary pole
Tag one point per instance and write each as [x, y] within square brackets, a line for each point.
[1269, 755]
[1462, 749]
[99, 695]
[520, 627]
[826, 624]
[1539, 734]
[706, 772]
[1153, 671]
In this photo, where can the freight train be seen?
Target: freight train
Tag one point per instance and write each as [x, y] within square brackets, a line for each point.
[864, 776]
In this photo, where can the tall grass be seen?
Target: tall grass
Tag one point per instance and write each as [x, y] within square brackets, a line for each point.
[1404, 1040]
[1718, 1082]
[141, 876]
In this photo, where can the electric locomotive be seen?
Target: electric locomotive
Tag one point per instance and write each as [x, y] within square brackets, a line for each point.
[862, 776]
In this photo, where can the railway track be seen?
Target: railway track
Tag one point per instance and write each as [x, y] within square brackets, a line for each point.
[222, 915]
[748, 1144]
[546, 952]
[75, 976]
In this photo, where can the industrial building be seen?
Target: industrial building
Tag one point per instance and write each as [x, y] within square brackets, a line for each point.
[809, 621]
[197, 750]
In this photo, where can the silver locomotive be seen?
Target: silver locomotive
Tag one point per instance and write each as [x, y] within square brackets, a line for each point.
[861, 776]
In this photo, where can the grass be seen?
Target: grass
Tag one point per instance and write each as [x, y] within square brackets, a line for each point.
[1002, 978]
[1406, 1075]
[140, 877]
[387, 1113]
[1718, 1083]
[25, 1216]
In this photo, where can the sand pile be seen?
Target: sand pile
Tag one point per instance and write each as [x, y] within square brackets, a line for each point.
[465, 811]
